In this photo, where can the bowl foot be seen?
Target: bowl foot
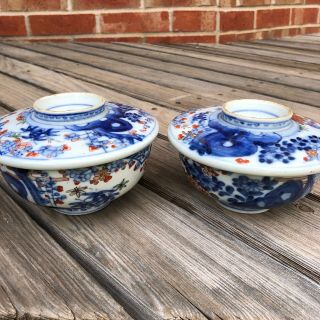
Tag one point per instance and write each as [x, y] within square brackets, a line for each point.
[72, 212]
[238, 210]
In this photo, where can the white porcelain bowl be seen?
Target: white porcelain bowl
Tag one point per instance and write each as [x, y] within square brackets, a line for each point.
[250, 155]
[75, 152]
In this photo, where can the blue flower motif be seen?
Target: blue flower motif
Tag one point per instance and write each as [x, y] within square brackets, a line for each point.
[6, 147]
[133, 117]
[209, 183]
[38, 134]
[72, 136]
[225, 141]
[201, 116]
[251, 188]
[81, 175]
[50, 151]
[94, 200]
[113, 126]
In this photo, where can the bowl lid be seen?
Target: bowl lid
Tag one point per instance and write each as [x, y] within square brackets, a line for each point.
[249, 136]
[73, 130]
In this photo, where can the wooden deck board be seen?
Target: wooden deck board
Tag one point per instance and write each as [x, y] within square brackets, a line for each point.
[40, 280]
[163, 251]
[153, 244]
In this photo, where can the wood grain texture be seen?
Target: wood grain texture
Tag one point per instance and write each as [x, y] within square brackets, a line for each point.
[57, 82]
[185, 100]
[7, 310]
[290, 233]
[153, 245]
[245, 78]
[203, 52]
[224, 65]
[40, 280]
[269, 47]
[278, 58]
[18, 94]
[282, 43]
[106, 252]
[133, 87]
[190, 81]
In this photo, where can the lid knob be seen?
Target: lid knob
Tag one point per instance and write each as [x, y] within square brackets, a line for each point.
[256, 113]
[71, 106]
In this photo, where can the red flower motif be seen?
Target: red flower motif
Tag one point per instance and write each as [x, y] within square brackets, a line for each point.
[59, 188]
[20, 117]
[92, 148]
[298, 118]
[180, 136]
[242, 161]
[32, 154]
[106, 178]
[3, 132]
[65, 147]
[58, 201]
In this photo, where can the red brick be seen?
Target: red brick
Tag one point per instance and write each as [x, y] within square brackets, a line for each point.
[104, 4]
[228, 3]
[304, 15]
[31, 5]
[238, 37]
[12, 26]
[110, 39]
[178, 3]
[306, 30]
[62, 24]
[312, 1]
[181, 39]
[236, 20]
[269, 34]
[273, 18]
[135, 22]
[194, 21]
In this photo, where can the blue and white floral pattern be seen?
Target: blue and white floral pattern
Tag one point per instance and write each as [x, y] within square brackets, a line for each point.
[23, 135]
[246, 193]
[206, 133]
[78, 191]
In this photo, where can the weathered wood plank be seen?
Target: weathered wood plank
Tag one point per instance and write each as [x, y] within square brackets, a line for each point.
[3, 111]
[222, 277]
[98, 78]
[133, 87]
[40, 279]
[306, 62]
[290, 233]
[276, 58]
[269, 47]
[312, 47]
[7, 310]
[18, 94]
[132, 65]
[58, 82]
[224, 65]
[202, 53]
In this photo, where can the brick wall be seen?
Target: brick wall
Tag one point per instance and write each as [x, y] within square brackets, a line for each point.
[154, 21]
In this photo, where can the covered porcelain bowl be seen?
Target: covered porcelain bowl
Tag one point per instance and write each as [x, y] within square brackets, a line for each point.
[250, 155]
[75, 152]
